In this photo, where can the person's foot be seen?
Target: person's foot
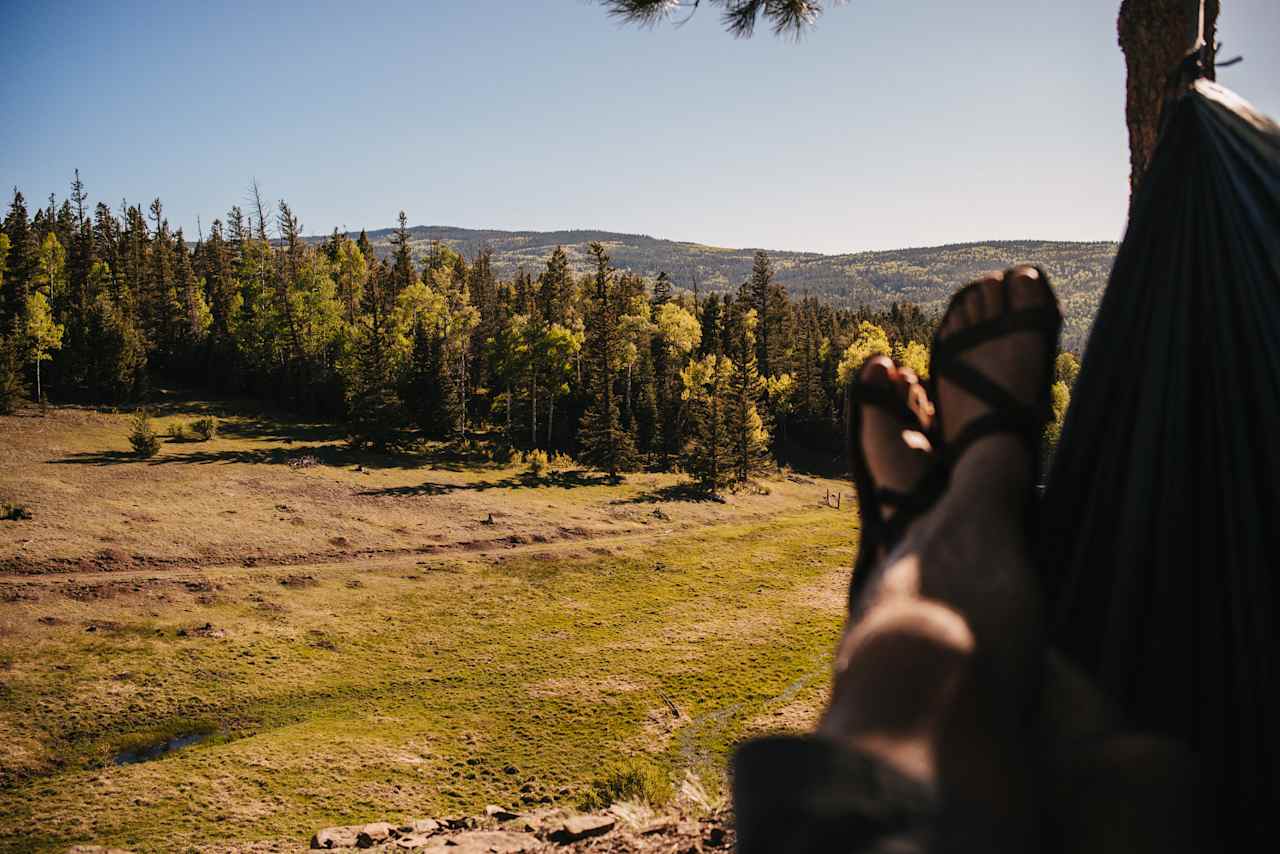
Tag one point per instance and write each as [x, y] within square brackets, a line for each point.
[1014, 361]
[897, 455]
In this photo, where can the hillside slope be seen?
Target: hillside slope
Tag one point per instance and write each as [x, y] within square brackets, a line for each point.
[925, 276]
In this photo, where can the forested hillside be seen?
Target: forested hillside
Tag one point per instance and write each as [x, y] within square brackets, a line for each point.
[925, 276]
[621, 369]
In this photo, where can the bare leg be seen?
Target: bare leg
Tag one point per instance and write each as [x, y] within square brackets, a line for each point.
[939, 673]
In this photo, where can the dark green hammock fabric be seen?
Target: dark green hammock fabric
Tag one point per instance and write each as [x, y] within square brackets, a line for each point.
[1161, 520]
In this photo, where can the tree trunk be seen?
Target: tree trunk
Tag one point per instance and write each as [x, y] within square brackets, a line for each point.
[551, 414]
[1155, 35]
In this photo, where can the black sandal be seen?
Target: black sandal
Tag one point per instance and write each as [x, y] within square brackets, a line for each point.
[876, 532]
[1007, 414]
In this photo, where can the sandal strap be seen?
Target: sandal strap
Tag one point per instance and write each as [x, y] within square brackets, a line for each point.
[981, 386]
[914, 504]
[884, 398]
[1007, 413]
[905, 505]
[1022, 424]
[1034, 318]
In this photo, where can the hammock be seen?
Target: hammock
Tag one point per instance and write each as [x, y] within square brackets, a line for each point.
[1161, 521]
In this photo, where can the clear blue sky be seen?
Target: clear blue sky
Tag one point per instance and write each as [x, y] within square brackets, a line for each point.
[894, 123]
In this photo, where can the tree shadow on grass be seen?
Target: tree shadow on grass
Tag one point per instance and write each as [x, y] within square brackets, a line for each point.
[325, 454]
[527, 480]
[675, 492]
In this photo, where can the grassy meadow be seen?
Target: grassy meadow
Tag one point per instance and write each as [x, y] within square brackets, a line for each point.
[354, 638]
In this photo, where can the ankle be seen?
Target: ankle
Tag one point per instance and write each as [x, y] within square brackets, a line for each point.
[994, 472]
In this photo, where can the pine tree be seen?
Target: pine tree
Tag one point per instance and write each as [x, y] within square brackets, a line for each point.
[710, 327]
[426, 394]
[705, 391]
[365, 246]
[375, 413]
[749, 450]
[403, 273]
[761, 283]
[195, 318]
[13, 387]
[605, 445]
[553, 287]
[20, 267]
[119, 351]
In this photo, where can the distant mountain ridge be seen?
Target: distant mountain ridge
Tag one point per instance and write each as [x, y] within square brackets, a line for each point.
[924, 275]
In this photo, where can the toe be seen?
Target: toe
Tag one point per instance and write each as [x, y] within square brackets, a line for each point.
[917, 397]
[971, 306]
[1026, 287]
[992, 298]
[877, 370]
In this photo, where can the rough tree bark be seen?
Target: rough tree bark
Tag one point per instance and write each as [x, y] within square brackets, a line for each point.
[1155, 35]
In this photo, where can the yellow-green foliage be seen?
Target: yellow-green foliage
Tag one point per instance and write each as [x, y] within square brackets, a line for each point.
[916, 357]
[142, 437]
[537, 462]
[870, 341]
[635, 780]
[206, 428]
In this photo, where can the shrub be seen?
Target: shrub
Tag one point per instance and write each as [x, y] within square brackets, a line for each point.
[537, 462]
[502, 453]
[562, 461]
[178, 433]
[14, 512]
[635, 780]
[142, 437]
[206, 428]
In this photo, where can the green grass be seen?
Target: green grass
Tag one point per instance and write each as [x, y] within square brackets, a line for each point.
[386, 692]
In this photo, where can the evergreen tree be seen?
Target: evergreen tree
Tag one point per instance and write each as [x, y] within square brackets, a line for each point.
[375, 413]
[553, 287]
[13, 386]
[605, 445]
[403, 273]
[749, 449]
[710, 341]
[365, 246]
[426, 394]
[119, 351]
[706, 454]
[20, 266]
[759, 292]
[195, 318]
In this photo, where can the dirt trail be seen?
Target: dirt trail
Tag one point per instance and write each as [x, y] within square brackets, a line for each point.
[497, 547]
[411, 557]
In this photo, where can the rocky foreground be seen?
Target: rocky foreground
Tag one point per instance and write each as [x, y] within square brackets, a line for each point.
[621, 828]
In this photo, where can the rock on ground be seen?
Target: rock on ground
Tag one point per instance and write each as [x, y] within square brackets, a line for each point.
[546, 831]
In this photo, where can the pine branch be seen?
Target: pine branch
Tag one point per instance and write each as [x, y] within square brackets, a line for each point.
[787, 17]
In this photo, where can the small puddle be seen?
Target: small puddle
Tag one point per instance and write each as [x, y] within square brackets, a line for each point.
[147, 753]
